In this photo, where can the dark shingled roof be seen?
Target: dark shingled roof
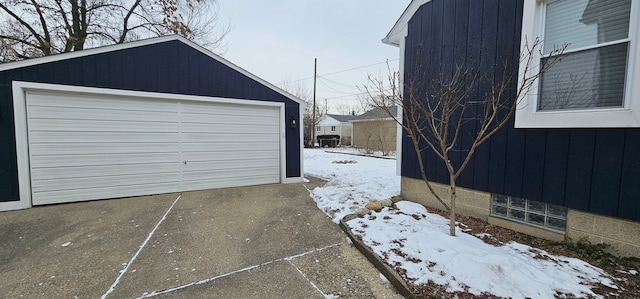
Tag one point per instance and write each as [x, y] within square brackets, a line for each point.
[378, 113]
[342, 118]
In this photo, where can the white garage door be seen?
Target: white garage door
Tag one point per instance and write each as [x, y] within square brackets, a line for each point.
[85, 146]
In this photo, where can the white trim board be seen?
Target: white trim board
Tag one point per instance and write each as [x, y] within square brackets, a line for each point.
[399, 30]
[22, 142]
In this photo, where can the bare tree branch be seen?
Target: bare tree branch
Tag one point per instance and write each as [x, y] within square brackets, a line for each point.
[33, 28]
[434, 108]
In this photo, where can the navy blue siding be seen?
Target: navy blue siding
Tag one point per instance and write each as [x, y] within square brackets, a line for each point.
[169, 67]
[595, 170]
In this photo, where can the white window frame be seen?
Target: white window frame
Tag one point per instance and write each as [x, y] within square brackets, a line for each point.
[627, 116]
[333, 128]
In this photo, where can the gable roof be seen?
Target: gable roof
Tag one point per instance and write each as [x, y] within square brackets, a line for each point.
[146, 42]
[342, 118]
[377, 113]
[399, 29]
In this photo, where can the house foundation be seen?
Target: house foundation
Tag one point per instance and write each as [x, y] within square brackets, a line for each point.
[621, 234]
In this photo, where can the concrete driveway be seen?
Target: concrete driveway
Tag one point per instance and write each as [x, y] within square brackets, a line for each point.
[251, 242]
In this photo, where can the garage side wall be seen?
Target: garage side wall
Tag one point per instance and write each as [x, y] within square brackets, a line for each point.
[167, 67]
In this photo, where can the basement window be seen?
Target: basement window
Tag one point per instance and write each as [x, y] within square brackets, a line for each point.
[529, 212]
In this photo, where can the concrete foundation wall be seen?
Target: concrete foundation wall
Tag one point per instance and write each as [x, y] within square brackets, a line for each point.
[469, 202]
[622, 235]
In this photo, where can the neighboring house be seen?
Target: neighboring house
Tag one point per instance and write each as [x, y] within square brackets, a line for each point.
[154, 116]
[375, 130]
[569, 161]
[332, 126]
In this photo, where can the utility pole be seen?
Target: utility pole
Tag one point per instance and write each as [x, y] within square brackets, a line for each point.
[313, 117]
[326, 107]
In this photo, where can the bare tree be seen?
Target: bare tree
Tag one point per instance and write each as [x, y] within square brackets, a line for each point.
[437, 104]
[35, 28]
[346, 109]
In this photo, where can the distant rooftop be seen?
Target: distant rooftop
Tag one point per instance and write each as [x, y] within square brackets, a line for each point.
[378, 113]
[342, 118]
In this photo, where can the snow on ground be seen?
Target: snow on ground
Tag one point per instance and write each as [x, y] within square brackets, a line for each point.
[411, 238]
[352, 150]
[351, 185]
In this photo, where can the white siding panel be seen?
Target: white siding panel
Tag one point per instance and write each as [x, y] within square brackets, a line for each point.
[88, 146]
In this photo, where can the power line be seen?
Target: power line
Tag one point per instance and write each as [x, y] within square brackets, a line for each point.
[359, 67]
[352, 94]
[340, 83]
[346, 96]
[322, 80]
[338, 72]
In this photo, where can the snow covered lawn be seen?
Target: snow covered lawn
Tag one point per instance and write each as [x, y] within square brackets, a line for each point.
[410, 238]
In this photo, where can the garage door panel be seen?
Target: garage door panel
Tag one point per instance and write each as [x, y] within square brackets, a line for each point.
[101, 159]
[84, 194]
[222, 138]
[99, 114]
[216, 147]
[230, 128]
[225, 155]
[101, 148]
[212, 179]
[102, 125]
[64, 172]
[226, 118]
[237, 172]
[100, 102]
[205, 108]
[230, 182]
[230, 164]
[120, 180]
[101, 137]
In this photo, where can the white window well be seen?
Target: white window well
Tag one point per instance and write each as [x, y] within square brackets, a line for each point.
[529, 212]
[595, 82]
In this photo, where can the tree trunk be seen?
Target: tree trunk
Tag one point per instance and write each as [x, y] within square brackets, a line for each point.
[452, 210]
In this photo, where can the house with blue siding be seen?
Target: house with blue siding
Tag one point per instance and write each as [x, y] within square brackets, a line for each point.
[568, 163]
[148, 117]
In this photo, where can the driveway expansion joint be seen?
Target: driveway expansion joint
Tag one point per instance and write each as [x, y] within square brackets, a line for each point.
[211, 279]
[142, 246]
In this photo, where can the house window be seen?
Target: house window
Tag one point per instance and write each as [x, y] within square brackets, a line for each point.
[529, 212]
[333, 128]
[594, 83]
[318, 129]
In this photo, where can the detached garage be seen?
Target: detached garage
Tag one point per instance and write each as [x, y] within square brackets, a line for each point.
[154, 116]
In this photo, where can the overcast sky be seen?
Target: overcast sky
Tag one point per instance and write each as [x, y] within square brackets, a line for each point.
[277, 40]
